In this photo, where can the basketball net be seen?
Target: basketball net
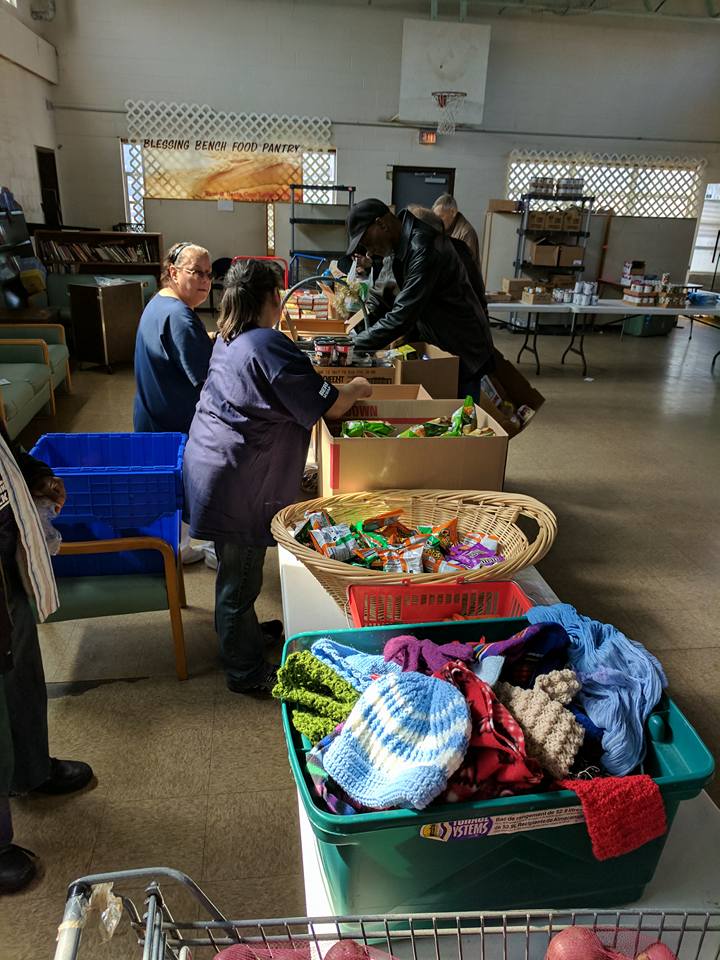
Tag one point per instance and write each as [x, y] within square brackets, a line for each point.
[449, 104]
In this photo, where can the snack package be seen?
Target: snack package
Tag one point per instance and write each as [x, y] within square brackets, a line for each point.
[314, 520]
[463, 420]
[404, 560]
[432, 428]
[369, 557]
[381, 520]
[337, 542]
[481, 432]
[442, 536]
[473, 556]
[366, 428]
[433, 560]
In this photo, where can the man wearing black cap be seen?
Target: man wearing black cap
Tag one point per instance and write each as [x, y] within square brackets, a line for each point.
[436, 302]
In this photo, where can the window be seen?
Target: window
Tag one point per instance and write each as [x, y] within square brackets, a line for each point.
[630, 186]
[319, 168]
[13, 3]
[133, 185]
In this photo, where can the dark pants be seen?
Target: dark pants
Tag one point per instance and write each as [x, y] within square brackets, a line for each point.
[238, 585]
[24, 754]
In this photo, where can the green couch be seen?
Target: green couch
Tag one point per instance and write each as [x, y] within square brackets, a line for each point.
[33, 362]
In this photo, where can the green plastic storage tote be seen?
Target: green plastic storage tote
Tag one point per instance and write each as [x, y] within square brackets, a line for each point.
[510, 853]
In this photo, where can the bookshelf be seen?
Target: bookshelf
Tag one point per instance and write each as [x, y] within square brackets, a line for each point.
[94, 251]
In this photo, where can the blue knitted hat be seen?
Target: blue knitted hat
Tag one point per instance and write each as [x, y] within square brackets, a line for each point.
[352, 665]
[404, 738]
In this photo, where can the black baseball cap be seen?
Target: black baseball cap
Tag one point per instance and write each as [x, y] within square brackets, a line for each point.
[361, 216]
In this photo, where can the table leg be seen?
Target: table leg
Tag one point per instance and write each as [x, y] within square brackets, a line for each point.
[712, 365]
[571, 348]
[531, 349]
[692, 320]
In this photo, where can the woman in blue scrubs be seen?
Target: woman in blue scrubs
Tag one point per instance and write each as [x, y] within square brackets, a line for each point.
[246, 454]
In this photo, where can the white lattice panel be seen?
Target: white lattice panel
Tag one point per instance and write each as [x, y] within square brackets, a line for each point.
[153, 119]
[630, 185]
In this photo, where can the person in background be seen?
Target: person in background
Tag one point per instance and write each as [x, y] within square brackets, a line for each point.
[463, 251]
[436, 302]
[456, 225]
[172, 353]
[25, 762]
[246, 454]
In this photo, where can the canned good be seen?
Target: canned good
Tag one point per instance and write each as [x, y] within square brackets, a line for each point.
[665, 278]
[567, 296]
[588, 288]
[579, 286]
[594, 300]
[648, 288]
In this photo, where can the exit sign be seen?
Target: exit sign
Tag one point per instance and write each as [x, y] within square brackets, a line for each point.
[428, 136]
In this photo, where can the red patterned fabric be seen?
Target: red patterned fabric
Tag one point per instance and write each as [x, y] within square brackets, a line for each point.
[495, 763]
[621, 813]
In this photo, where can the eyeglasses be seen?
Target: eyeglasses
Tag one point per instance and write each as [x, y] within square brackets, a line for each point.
[198, 274]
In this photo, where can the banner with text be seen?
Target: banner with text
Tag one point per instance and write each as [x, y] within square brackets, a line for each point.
[250, 171]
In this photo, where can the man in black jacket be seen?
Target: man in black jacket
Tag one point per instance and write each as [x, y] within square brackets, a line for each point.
[25, 762]
[436, 302]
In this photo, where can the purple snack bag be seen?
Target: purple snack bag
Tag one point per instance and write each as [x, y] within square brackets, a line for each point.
[473, 556]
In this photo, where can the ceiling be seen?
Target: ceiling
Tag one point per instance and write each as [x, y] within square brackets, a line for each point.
[676, 11]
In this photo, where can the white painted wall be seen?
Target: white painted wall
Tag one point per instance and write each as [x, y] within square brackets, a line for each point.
[576, 84]
[25, 121]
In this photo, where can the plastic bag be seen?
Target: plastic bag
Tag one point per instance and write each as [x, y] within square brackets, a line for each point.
[47, 511]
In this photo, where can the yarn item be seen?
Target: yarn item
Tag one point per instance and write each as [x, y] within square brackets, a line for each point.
[404, 738]
[496, 763]
[552, 734]
[359, 669]
[537, 649]
[621, 813]
[621, 682]
[425, 656]
[321, 699]
[332, 797]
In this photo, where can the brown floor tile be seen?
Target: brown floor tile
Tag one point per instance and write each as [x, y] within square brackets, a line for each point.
[252, 834]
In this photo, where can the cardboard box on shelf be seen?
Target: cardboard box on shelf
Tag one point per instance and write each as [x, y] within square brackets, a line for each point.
[542, 254]
[554, 220]
[634, 268]
[514, 286]
[562, 280]
[503, 206]
[467, 463]
[535, 296]
[572, 220]
[439, 374]
[376, 375]
[498, 297]
[507, 383]
[571, 256]
[536, 219]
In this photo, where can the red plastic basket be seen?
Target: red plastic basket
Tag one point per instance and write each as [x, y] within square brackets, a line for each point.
[374, 606]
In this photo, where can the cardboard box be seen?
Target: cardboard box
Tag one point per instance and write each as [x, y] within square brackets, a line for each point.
[511, 385]
[503, 206]
[573, 219]
[536, 219]
[571, 256]
[532, 296]
[465, 463]
[542, 254]
[379, 375]
[498, 297]
[397, 391]
[514, 286]
[562, 280]
[439, 375]
[554, 220]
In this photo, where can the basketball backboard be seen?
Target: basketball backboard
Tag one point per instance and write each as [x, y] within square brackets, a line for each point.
[443, 55]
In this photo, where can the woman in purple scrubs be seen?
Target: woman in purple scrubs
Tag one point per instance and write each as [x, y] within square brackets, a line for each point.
[246, 454]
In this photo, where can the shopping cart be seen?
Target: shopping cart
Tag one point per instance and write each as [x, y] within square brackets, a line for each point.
[515, 935]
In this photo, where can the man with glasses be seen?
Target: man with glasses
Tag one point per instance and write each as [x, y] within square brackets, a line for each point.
[172, 351]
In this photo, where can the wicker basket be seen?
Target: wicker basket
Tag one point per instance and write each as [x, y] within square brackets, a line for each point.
[477, 512]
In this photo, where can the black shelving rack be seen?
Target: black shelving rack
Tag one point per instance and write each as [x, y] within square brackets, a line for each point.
[578, 238]
[318, 221]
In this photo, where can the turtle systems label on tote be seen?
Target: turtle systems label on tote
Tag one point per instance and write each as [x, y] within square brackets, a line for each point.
[508, 823]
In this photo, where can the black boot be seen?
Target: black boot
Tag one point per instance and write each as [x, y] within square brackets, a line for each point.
[17, 868]
[66, 776]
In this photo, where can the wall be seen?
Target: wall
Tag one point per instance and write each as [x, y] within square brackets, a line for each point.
[600, 85]
[25, 121]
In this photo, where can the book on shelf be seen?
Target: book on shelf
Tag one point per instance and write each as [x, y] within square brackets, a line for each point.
[72, 252]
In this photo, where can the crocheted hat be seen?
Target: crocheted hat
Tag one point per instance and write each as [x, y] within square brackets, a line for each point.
[552, 734]
[404, 737]
[359, 669]
[324, 699]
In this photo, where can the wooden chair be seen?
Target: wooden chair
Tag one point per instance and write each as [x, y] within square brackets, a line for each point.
[104, 596]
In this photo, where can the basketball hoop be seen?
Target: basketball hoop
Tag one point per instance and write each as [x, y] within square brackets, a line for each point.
[449, 104]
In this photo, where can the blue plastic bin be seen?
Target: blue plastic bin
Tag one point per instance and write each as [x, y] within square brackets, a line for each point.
[518, 852]
[118, 485]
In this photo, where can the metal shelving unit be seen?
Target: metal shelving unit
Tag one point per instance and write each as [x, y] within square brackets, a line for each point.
[321, 255]
[578, 238]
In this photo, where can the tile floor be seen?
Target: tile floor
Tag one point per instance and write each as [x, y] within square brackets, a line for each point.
[196, 778]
